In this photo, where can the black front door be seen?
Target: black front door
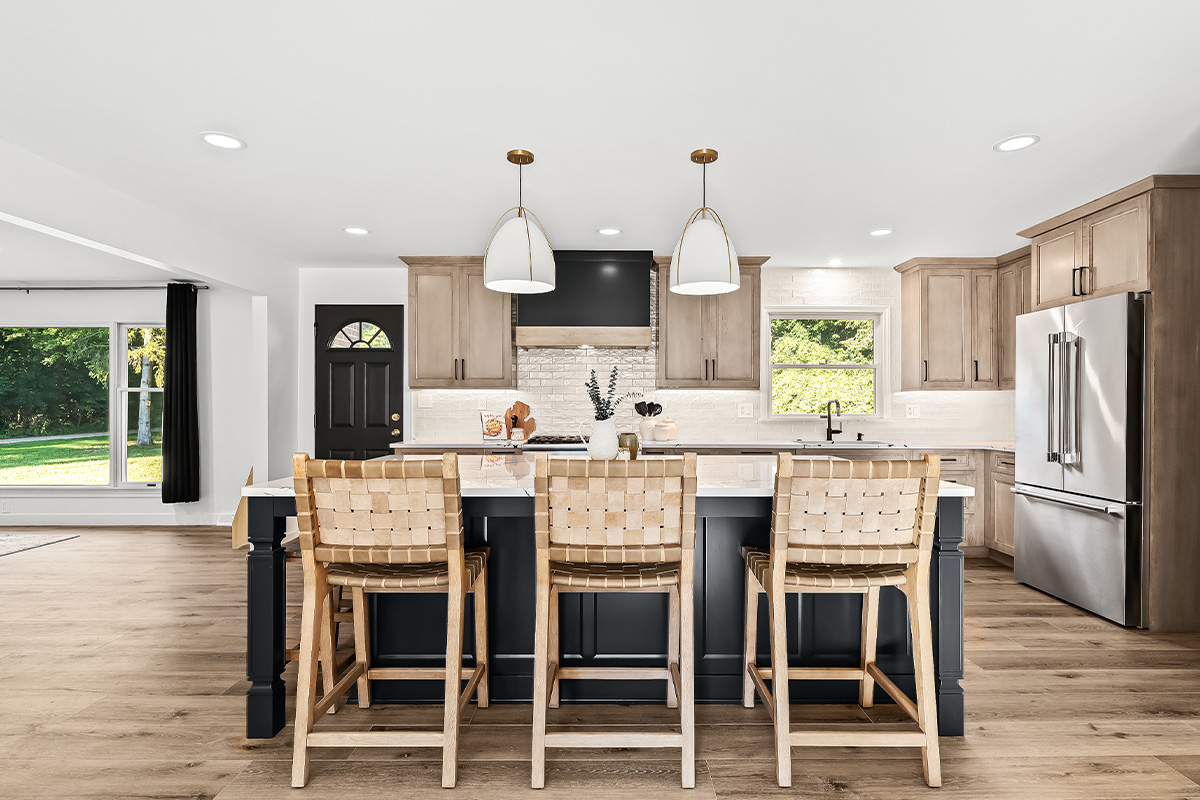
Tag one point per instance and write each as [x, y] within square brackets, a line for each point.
[360, 380]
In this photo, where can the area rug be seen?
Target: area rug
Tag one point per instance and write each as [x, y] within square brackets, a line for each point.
[16, 542]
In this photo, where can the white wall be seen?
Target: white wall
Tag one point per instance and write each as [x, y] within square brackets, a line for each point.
[551, 382]
[228, 431]
[335, 286]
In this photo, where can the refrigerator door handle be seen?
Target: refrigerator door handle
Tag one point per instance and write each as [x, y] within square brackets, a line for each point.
[1070, 398]
[1115, 509]
[1052, 415]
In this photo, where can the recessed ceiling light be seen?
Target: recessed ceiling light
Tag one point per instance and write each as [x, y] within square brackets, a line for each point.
[608, 231]
[835, 262]
[1016, 143]
[225, 141]
[882, 232]
[354, 230]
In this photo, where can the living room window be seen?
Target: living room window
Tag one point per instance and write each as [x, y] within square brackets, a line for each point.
[819, 356]
[81, 406]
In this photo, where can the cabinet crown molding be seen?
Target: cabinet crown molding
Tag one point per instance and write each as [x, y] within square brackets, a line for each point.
[442, 261]
[957, 263]
[1112, 198]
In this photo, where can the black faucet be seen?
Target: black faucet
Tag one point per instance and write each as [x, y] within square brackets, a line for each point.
[829, 431]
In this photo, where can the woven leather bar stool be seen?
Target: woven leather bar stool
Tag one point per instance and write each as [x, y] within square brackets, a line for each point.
[385, 526]
[848, 527]
[615, 526]
[336, 612]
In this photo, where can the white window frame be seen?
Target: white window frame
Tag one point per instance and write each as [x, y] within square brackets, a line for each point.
[118, 349]
[120, 452]
[877, 314]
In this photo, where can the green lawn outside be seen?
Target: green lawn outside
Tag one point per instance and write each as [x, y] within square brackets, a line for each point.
[74, 462]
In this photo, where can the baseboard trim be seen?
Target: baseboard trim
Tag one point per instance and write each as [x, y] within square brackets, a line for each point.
[974, 550]
[1003, 559]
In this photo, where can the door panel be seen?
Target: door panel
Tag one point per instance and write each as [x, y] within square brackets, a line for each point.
[1056, 254]
[946, 329]
[684, 354]
[1100, 367]
[359, 382]
[1008, 291]
[1035, 406]
[735, 354]
[1117, 247]
[983, 329]
[433, 304]
[1003, 503]
[486, 330]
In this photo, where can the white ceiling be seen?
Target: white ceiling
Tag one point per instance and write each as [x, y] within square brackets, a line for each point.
[831, 118]
[30, 256]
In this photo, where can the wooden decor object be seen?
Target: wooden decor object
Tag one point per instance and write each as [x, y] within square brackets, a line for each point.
[521, 412]
[615, 526]
[384, 526]
[848, 527]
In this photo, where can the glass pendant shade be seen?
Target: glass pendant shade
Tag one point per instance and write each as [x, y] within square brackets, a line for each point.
[704, 261]
[518, 258]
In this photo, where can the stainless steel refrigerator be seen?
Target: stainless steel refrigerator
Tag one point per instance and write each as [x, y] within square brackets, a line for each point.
[1078, 514]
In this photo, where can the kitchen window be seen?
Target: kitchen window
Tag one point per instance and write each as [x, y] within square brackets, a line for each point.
[82, 406]
[815, 357]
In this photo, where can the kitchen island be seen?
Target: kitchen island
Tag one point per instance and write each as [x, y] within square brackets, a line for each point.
[733, 509]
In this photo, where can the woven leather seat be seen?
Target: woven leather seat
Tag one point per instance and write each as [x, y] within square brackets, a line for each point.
[613, 576]
[382, 577]
[827, 576]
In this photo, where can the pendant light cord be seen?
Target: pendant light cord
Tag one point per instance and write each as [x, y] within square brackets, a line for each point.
[704, 188]
[520, 187]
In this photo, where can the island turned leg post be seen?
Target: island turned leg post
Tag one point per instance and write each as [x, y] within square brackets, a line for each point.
[265, 618]
[946, 611]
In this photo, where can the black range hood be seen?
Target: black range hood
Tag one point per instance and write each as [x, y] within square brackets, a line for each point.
[601, 298]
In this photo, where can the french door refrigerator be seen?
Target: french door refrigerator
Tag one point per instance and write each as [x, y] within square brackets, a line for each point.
[1077, 511]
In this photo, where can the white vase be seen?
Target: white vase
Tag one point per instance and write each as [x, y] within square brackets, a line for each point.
[646, 429]
[602, 446]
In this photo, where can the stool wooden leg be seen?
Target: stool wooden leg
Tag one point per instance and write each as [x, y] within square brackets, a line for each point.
[870, 635]
[673, 628]
[750, 639]
[553, 649]
[329, 648]
[306, 685]
[687, 669]
[779, 683]
[541, 646]
[455, 602]
[481, 638]
[917, 590]
[362, 645]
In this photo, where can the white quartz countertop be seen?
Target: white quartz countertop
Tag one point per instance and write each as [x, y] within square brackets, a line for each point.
[505, 475]
[781, 444]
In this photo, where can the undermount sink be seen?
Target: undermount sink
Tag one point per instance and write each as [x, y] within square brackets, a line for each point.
[849, 444]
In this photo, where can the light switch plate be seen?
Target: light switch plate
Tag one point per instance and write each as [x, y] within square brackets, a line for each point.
[745, 410]
[912, 412]
[424, 400]
[481, 405]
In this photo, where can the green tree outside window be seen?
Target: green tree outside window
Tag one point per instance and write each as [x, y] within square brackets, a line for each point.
[816, 360]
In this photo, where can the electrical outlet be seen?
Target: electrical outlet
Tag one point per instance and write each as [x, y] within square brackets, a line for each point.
[424, 400]
[745, 410]
[5, 507]
[481, 404]
[912, 412]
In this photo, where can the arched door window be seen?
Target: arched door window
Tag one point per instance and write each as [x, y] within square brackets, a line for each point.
[360, 335]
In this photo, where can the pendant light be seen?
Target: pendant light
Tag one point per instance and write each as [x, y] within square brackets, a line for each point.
[704, 261]
[518, 258]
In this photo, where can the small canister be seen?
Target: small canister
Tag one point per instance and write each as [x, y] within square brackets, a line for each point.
[629, 443]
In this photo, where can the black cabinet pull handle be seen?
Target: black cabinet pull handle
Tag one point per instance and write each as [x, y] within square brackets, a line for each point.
[976, 371]
[714, 369]
[464, 369]
[706, 369]
[926, 363]
[456, 369]
[1084, 271]
[1074, 279]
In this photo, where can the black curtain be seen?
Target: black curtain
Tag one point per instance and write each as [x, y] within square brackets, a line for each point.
[181, 423]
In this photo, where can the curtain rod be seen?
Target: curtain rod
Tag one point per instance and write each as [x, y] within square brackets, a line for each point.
[28, 289]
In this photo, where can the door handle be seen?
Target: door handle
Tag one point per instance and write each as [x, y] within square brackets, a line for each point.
[1074, 279]
[714, 369]
[456, 369]
[977, 370]
[464, 369]
[1070, 398]
[706, 369]
[926, 363]
[1085, 271]
[395, 431]
[1051, 390]
[395, 417]
[1115, 509]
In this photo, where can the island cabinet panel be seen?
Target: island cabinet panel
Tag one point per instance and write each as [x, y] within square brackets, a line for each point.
[461, 331]
[712, 341]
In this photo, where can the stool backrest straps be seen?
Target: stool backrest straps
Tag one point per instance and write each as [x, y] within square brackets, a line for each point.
[615, 511]
[398, 511]
[854, 512]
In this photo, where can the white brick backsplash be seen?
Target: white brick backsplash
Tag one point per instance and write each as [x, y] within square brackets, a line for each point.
[551, 382]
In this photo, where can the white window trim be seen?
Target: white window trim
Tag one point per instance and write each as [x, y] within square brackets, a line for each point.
[120, 454]
[880, 315]
[118, 348]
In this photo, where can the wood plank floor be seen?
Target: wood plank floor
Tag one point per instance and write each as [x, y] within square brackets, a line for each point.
[122, 667]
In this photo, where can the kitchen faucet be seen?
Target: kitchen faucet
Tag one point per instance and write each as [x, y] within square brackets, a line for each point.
[829, 431]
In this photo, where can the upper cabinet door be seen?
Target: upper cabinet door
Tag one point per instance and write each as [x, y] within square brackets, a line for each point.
[734, 330]
[683, 358]
[945, 329]
[1008, 305]
[1056, 256]
[1117, 248]
[983, 329]
[485, 333]
[433, 336]
[1025, 287]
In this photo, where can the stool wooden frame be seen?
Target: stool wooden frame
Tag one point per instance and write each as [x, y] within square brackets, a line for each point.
[847, 527]
[384, 526]
[615, 526]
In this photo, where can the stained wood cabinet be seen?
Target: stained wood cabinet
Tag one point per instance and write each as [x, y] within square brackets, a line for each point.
[998, 523]
[1012, 300]
[709, 342]
[460, 334]
[948, 324]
